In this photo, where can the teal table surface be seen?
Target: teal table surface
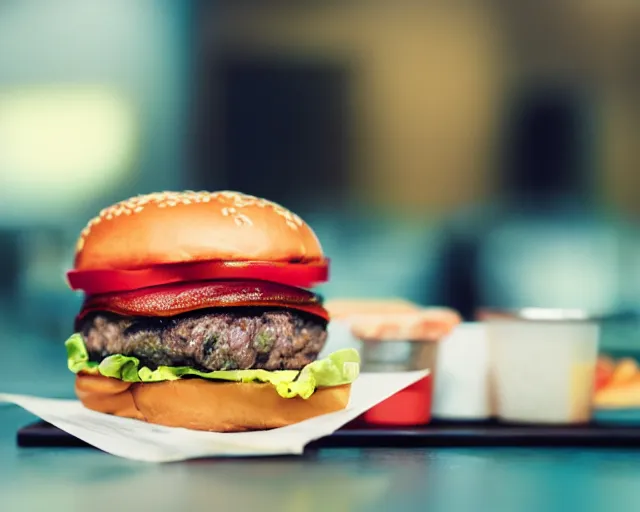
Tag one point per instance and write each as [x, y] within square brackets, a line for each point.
[328, 480]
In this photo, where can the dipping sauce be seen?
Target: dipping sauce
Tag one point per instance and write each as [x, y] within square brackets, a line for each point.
[403, 342]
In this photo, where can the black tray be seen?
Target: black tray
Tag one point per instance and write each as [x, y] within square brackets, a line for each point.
[437, 434]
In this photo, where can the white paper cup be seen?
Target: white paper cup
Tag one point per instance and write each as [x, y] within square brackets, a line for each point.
[462, 381]
[543, 365]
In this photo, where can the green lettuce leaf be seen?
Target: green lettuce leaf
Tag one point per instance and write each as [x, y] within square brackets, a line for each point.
[340, 367]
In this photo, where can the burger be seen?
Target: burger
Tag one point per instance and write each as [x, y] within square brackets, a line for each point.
[198, 313]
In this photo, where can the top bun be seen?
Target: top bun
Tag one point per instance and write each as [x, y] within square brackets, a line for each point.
[184, 227]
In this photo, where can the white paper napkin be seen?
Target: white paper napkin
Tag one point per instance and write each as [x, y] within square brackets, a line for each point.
[137, 440]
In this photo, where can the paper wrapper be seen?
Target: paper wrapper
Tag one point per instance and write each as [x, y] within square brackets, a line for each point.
[137, 440]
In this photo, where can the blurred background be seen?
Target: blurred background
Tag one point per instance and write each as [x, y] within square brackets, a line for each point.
[459, 155]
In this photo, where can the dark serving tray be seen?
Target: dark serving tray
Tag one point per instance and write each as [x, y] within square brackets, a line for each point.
[437, 434]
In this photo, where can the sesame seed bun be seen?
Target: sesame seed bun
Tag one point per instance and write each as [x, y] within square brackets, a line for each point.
[184, 227]
[230, 406]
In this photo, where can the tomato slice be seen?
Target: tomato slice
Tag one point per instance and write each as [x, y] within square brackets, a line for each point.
[173, 299]
[302, 275]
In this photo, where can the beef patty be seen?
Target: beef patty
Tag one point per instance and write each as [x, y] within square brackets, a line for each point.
[229, 339]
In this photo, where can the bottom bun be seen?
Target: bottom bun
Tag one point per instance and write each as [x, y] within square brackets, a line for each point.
[203, 405]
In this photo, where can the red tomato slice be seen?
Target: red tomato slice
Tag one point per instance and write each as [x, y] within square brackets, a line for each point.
[302, 275]
[173, 299]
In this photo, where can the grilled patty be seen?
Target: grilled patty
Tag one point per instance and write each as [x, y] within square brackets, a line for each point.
[229, 339]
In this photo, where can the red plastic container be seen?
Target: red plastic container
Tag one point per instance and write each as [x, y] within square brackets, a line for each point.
[402, 342]
[409, 407]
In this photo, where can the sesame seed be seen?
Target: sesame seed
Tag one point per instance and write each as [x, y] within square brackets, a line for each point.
[242, 220]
